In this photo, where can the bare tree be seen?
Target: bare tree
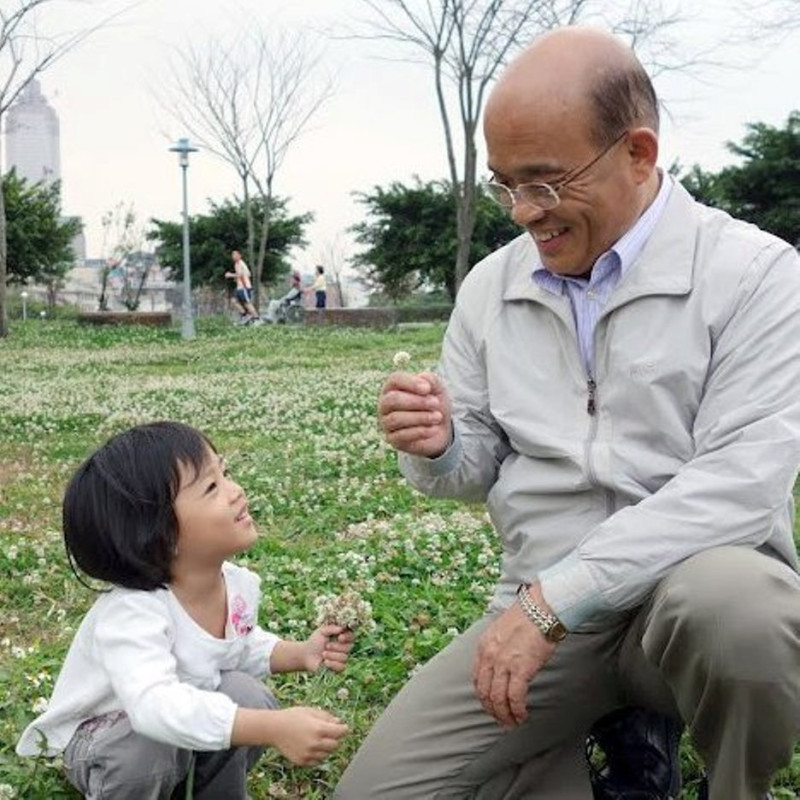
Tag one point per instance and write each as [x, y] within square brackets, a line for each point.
[466, 43]
[334, 256]
[27, 49]
[770, 19]
[247, 103]
[209, 97]
[124, 251]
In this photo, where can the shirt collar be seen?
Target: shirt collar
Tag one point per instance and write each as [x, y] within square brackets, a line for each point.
[625, 250]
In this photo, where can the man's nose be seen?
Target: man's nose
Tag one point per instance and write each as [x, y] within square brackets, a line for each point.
[524, 213]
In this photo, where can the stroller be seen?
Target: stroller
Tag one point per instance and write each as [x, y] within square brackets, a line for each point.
[289, 308]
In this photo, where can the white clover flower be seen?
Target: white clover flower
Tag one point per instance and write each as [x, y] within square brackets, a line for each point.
[7, 792]
[348, 610]
[12, 552]
[343, 694]
[40, 705]
[401, 359]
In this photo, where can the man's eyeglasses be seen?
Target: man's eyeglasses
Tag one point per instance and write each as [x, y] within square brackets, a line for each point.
[542, 195]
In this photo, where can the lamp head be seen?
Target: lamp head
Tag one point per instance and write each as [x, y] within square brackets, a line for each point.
[183, 147]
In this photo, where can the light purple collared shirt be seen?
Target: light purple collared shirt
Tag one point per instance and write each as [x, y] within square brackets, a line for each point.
[589, 297]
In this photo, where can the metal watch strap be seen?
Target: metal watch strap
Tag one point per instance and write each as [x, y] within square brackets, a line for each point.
[548, 624]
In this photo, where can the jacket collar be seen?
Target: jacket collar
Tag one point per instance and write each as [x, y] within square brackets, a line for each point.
[664, 267]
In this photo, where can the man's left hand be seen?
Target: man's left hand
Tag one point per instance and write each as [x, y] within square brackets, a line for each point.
[510, 654]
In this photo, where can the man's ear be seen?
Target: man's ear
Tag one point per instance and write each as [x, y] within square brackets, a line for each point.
[642, 144]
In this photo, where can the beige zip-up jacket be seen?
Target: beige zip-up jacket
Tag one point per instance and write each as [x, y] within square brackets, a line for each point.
[688, 439]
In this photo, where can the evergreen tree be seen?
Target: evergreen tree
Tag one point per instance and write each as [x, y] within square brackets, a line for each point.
[410, 236]
[39, 239]
[224, 228]
[763, 189]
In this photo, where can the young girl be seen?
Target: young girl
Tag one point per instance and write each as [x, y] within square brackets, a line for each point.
[161, 677]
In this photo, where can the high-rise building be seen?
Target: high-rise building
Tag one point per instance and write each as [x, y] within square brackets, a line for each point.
[32, 137]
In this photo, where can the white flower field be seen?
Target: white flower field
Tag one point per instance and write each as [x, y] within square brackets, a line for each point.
[293, 412]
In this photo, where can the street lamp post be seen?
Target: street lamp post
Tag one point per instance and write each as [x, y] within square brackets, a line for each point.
[183, 148]
[24, 296]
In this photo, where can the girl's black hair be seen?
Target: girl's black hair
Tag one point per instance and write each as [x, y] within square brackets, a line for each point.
[118, 517]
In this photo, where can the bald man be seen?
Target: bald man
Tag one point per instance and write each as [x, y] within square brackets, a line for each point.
[620, 386]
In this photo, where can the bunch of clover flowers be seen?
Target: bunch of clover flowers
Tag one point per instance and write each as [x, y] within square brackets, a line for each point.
[348, 610]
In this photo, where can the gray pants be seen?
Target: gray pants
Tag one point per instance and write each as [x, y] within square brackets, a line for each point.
[107, 759]
[717, 645]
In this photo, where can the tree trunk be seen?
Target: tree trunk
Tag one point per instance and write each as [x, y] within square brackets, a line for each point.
[3, 264]
[262, 247]
[344, 301]
[248, 210]
[102, 301]
[465, 210]
[137, 299]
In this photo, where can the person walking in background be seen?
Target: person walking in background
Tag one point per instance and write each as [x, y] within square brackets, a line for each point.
[244, 289]
[320, 287]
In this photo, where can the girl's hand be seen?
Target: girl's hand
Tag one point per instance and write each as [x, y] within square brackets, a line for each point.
[329, 646]
[307, 736]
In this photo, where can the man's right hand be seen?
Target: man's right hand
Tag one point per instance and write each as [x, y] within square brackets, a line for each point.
[414, 413]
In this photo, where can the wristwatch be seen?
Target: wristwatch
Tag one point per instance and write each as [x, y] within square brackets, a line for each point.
[549, 624]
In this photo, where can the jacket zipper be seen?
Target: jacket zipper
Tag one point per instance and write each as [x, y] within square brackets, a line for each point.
[591, 405]
[591, 409]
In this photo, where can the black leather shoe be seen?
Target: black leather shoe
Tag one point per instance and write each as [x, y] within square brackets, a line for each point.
[633, 755]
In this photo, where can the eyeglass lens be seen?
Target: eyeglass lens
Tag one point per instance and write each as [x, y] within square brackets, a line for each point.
[536, 194]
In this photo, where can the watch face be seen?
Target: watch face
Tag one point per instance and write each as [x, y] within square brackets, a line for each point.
[557, 632]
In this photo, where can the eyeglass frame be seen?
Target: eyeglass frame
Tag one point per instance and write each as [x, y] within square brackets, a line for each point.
[553, 188]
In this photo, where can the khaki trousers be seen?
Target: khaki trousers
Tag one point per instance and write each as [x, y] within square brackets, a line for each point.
[717, 644]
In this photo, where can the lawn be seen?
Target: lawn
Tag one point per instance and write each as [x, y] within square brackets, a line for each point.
[293, 412]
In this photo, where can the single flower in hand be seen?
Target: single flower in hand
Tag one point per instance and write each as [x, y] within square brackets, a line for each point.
[401, 359]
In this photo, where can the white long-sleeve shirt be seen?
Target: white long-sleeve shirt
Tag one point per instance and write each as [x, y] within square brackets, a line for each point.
[140, 652]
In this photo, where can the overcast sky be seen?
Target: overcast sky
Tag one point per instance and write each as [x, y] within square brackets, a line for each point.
[381, 125]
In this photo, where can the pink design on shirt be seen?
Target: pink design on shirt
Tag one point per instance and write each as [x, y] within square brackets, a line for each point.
[241, 616]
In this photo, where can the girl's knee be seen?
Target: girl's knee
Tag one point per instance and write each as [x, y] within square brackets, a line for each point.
[136, 769]
[246, 691]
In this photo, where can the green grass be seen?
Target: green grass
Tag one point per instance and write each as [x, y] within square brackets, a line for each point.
[293, 412]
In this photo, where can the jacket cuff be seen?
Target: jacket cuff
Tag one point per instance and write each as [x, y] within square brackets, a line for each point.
[571, 592]
[433, 467]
